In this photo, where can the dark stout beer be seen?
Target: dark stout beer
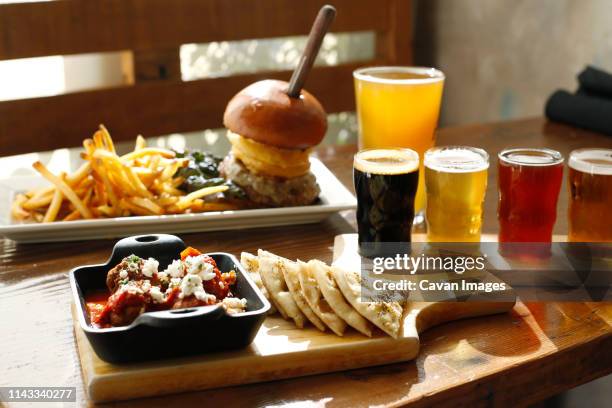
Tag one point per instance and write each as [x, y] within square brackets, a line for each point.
[386, 182]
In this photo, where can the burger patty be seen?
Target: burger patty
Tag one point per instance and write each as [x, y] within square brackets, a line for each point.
[271, 191]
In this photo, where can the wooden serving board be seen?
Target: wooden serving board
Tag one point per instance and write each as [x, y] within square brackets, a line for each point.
[280, 350]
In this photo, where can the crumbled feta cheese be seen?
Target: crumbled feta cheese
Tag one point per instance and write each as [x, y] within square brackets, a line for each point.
[146, 285]
[123, 274]
[197, 265]
[190, 284]
[175, 269]
[162, 276]
[156, 294]
[174, 282]
[205, 297]
[131, 287]
[149, 267]
[133, 263]
[234, 305]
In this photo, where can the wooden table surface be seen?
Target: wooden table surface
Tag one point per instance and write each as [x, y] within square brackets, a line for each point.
[534, 352]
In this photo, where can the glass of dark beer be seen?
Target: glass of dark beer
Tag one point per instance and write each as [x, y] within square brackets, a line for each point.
[386, 182]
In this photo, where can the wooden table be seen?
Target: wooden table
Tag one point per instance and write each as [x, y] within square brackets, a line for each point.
[537, 351]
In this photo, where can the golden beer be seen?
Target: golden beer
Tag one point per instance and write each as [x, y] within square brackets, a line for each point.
[399, 107]
[456, 183]
[590, 189]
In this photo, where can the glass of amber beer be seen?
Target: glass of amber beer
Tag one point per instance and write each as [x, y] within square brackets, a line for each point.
[529, 181]
[456, 183]
[399, 107]
[590, 188]
[386, 182]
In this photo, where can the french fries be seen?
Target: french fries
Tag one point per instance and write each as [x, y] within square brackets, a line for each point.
[107, 185]
[185, 201]
[64, 188]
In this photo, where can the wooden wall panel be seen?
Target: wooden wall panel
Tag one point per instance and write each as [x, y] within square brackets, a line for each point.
[158, 102]
[149, 109]
[72, 27]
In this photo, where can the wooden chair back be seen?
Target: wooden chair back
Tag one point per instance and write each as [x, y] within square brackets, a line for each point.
[159, 102]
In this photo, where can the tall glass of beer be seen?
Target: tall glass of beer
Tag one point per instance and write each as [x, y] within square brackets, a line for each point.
[386, 183]
[399, 107]
[529, 181]
[456, 183]
[590, 189]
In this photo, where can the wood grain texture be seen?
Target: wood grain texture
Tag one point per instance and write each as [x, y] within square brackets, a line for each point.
[73, 27]
[395, 43]
[538, 350]
[149, 108]
[153, 31]
[280, 350]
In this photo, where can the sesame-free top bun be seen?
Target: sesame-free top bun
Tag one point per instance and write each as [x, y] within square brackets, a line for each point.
[265, 113]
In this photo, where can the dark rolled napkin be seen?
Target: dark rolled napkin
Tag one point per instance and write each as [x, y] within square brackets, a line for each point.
[581, 110]
[596, 82]
[590, 107]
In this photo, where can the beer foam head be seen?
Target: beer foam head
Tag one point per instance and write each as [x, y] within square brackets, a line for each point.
[394, 75]
[387, 161]
[592, 161]
[456, 159]
[531, 157]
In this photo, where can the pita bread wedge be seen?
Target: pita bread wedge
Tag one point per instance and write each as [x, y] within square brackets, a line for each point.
[386, 315]
[250, 263]
[271, 271]
[291, 271]
[336, 300]
[311, 292]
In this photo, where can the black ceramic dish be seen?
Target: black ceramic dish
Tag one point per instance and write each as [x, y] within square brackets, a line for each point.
[170, 333]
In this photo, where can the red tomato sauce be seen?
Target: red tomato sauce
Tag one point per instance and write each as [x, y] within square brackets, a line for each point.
[95, 302]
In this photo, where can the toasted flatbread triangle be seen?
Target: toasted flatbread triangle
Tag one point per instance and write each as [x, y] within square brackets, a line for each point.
[386, 315]
[250, 263]
[336, 300]
[271, 270]
[311, 292]
[291, 272]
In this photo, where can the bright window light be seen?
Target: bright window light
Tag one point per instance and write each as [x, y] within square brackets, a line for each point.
[31, 77]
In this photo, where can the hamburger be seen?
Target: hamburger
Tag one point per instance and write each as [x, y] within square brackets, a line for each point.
[272, 135]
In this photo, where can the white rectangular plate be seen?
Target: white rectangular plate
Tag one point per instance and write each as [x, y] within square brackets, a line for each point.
[334, 197]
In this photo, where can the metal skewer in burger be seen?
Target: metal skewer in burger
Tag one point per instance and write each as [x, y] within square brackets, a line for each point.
[272, 127]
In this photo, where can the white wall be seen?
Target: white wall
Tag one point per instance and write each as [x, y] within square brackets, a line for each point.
[503, 58]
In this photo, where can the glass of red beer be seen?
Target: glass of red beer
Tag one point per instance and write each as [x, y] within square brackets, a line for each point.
[529, 181]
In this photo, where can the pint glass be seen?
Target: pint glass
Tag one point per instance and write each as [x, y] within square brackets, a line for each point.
[456, 183]
[386, 182]
[399, 107]
[590, 190]
[529, 181]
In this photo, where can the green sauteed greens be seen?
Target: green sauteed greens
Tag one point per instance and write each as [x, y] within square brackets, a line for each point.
[203, 171]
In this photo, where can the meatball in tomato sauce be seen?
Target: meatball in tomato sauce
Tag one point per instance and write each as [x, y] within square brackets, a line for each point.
[137, 286]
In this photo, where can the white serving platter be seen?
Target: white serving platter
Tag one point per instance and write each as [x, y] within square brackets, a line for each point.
[334, 197]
